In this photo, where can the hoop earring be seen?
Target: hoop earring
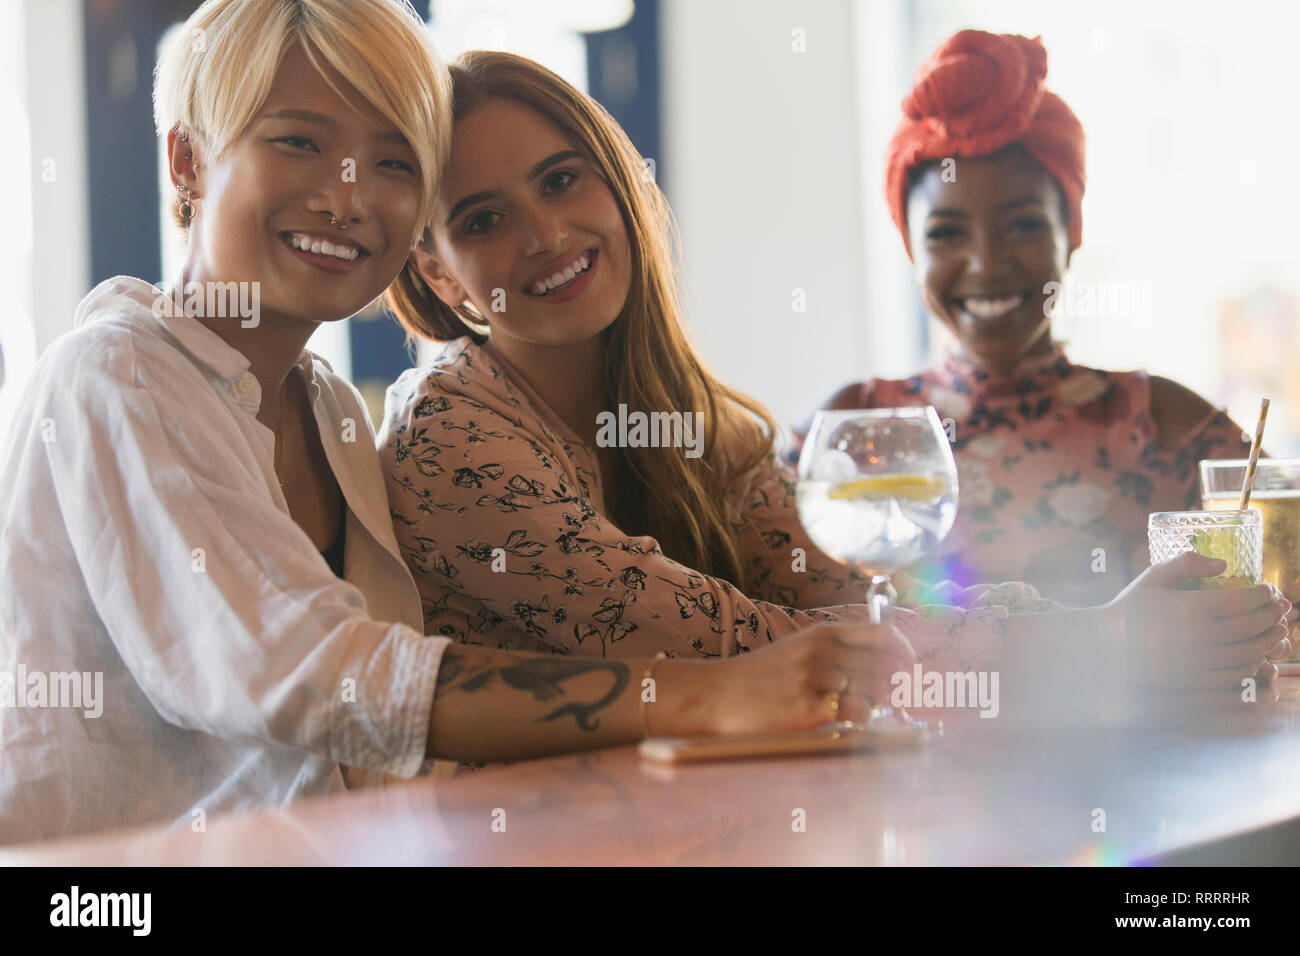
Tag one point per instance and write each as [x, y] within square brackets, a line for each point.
[185, 207]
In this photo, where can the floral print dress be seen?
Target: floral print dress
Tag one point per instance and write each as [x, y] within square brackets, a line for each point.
[498, 511]
[1058, 469]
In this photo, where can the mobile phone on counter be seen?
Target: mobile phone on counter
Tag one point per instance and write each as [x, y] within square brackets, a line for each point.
[832, 738]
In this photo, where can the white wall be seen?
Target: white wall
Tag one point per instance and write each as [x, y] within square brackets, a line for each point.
[766, 173]
[46, 254]
[57, 111]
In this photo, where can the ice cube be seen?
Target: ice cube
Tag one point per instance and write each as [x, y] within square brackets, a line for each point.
[833, 465]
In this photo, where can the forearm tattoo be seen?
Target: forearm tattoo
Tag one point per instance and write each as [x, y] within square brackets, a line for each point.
[472, 671]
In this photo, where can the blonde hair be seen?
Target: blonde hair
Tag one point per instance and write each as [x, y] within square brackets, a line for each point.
[651, 364]
[215, 74]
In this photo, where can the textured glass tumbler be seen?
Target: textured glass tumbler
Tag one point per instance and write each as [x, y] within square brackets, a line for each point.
[1235, 536]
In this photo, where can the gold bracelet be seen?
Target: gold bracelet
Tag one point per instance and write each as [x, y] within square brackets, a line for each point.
[649, 673]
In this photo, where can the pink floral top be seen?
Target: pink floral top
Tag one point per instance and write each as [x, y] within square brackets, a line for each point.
[498, 511]
[1057, 469]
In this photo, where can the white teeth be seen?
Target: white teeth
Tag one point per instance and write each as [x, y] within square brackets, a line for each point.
[323, 247]
[983, 307]
[544, 286]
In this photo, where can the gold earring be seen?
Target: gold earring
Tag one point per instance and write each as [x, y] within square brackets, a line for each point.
[185, 207]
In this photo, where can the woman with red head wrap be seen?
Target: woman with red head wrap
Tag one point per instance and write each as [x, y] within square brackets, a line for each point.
[978, 94]
[1059, 464]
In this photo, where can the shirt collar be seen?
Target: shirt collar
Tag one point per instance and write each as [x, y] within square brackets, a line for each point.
[1027, 367]
[204, 345]
[1033, 374]
[211, 350]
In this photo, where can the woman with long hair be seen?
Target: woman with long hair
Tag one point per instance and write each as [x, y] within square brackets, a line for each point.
[537, 495]
[522, 508]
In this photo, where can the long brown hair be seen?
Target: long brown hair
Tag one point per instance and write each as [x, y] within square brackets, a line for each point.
[651, 365]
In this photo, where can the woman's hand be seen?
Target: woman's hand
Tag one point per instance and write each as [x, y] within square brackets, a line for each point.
[1269, 670]
[1198, 638]
[784, 686]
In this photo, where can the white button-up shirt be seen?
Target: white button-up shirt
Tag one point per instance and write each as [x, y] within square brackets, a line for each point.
[146, 548]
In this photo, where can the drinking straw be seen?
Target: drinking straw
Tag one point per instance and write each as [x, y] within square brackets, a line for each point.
[1254, 456]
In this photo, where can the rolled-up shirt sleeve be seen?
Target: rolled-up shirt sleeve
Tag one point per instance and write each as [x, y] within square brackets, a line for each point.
[220, 606]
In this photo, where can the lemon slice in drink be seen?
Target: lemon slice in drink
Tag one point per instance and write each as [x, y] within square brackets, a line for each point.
[915, 487]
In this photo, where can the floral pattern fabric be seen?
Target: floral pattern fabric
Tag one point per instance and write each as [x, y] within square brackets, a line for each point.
[1058, 469]
[498, 511]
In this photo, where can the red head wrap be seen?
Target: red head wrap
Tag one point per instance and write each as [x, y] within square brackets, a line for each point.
[978, 93]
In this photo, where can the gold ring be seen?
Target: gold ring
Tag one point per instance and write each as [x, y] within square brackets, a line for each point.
[832, 701]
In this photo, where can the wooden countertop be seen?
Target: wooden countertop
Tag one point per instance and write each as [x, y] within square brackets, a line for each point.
[984, 792]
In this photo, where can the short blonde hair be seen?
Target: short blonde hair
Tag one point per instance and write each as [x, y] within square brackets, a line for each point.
[214, 75]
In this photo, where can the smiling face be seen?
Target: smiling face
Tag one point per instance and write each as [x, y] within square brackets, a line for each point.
[263, 204]
[985, 245]
[527, 230]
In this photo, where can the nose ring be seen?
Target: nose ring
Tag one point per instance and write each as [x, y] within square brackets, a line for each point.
[343, 226]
